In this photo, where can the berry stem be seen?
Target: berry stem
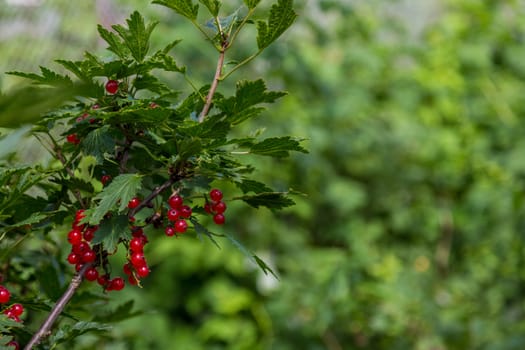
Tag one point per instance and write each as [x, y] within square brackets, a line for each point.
[215, 83]
[61, 303]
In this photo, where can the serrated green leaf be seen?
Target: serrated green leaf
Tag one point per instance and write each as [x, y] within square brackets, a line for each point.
[254, 258]
[277, 147]
[75, 68]
[271, 200]
[48, 77]
[151, 83]
[184, 8]
[247, 185]
[116, 45]
[68, 332]
[251, 4]
[98, 142]
[201, 230]
[121, 189]
[111, 231]
[248, 94]
[120, 313]
[212, 5]
[164, 61]
[281, 18]
[136, 36]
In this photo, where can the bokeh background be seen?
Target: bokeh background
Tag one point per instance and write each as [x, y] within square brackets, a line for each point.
[411, 234]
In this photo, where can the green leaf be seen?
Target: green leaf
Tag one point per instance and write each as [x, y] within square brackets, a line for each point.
[151, 83]
[248, 94]
[254, 258]
[247, 185]
[201, 230]
[121, 189]
[252, 3]
[277, 147]
[271, 200]
[98, 142]
[67, 332]
[116, 45]
[48, 77]
[136, 37]
[184, 8]
[212, 5]
[281, 18]
[120, 313]
[111, 231]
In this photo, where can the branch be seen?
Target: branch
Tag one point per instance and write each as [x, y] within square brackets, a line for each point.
[158, 190]
[44, 330]
[215, 83]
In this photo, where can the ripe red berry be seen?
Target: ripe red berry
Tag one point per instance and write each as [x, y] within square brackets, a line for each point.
[136, 244]
[133, 203]
[73, 138]
[73, 258]
[181, 226]
[91, 274]
[74, 237]
[78, 266]
[137, 231]
[215, 195]
[117, 283]
[127, 268]
[175, 201]
[17, 309]
[219, 207]
[137, 259]
[80, 248]
[112, 86]
[89, 256]
[14, 344]
[219, 219]
[153, 105]
[105, 179]
[169, 231]
[103, 280]
[185, 211]
[89, 234]
[4, 295]
[173, 214]
[208, 208]
[143, 271]
[132, 280]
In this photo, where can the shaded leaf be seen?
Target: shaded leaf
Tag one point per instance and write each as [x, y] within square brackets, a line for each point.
[111, 231]
[252, 3]
[281, 18]
[98, 142]
[277, 147]
[136, 36]
[212, 5]
[271, 200]
[184, 8]
[254, 258]
[116, 45]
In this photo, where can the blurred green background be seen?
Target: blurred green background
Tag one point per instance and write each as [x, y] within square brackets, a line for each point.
[412, 233]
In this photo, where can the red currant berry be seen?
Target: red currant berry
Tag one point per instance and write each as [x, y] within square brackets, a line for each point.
[73, 138]
[127, 268]
[95, 106]
[14, 344]
[4, 295]
[153, 105]
[181, 226]
[74, 237]
[169, 231]
[91, 274]
[175, 201]
[137, 231]
[89, 256]
[89, 234]
[136, 244]
[215, 195]
[132, 280]
[173, 214]
[80, 248]
[17, 309]
[143, 271]
[78, 266]
[133, 203]
[208, 208]
[117, 283]
[219, 207]
[112, 86]
[103, 280]
[219, 219]
[105, 179]
[137, 259]
[185, 211]
[73, 258]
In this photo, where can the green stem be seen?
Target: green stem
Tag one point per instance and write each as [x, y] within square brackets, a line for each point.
[239, 65]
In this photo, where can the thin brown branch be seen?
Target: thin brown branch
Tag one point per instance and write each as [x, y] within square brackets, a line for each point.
[158, 190]
[45, 328]
[215, 83]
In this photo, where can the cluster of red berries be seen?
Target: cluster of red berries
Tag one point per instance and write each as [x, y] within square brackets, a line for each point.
[177, 215]
[73, 138]
[13, 312]
[216, 206]
[82, 253]
[137, 266]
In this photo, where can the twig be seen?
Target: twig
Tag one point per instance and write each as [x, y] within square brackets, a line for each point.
[44, 330]
[158, 190]
[215, 83]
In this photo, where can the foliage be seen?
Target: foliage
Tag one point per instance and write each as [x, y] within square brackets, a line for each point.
[121, 147]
